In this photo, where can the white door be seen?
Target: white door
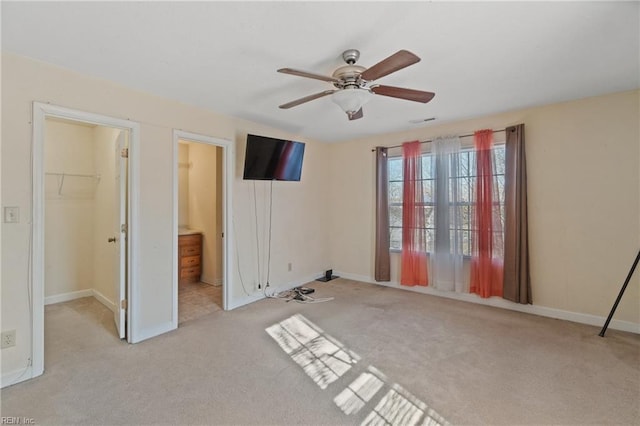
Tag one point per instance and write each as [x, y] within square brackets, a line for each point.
[120, 231]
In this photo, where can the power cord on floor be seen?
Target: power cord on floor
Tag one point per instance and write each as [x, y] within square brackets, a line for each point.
[298, 294]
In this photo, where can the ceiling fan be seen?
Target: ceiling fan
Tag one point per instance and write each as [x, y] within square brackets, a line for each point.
[354, 83]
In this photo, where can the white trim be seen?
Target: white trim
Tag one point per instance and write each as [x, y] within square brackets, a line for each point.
[227, 203]
[104, 300]
[16, 376]
[40, 112]
[37, 243]
[65, 297]
[73, 295]
[157, 330]
[498, 302]
[245, 300]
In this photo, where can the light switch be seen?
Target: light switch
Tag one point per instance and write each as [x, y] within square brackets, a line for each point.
[11, 214]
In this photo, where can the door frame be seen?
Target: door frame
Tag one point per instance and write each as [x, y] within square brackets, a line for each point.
[227, 177]
[42, 111]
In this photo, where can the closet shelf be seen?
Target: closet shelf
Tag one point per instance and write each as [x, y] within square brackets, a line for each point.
[61, 177]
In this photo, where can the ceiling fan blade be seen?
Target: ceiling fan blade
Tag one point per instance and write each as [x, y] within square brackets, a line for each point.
[393, 63]
[356, 115]
[306, 99]
[308, 75]
[399, 92]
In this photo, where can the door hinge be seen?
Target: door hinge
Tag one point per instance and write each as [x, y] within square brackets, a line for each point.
[223, 235]
[124, 153]
[123, 228]
[123, 304]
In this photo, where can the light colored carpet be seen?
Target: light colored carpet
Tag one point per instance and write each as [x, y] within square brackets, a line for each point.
[377, 353]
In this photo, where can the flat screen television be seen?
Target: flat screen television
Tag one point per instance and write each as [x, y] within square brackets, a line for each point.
[272, 159]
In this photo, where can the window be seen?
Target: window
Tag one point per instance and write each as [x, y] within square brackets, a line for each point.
[463, 184]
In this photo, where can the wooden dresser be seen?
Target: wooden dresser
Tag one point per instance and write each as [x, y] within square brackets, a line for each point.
[189, 258]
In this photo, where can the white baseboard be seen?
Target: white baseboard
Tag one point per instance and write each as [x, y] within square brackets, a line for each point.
[104, 300]
[505, 304]
[259, 294]
[65, 297]
[17, 376]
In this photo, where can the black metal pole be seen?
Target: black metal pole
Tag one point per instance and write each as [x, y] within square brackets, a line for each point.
[624, 286]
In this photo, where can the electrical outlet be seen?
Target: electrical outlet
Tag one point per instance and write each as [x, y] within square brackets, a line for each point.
[289, 266]
[8, 339]
[11, 214]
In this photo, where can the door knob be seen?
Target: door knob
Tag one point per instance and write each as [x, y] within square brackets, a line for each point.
[111, 240]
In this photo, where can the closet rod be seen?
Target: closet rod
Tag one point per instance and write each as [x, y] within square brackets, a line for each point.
[73, 175]
[468, 135]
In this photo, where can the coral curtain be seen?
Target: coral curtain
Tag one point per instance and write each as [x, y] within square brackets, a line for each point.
[517, 283]
[382, 259]
[447, 260]
[414, 234]
[486, 260]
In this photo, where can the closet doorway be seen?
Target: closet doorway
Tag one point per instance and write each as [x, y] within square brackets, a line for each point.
[200, 221]
[85, 215]
[81, 223]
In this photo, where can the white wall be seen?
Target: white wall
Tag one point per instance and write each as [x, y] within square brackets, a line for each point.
[68, 148]
[300, 214]
[584, 201]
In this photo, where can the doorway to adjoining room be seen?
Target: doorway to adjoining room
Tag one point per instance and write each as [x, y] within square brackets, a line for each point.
[200, 229]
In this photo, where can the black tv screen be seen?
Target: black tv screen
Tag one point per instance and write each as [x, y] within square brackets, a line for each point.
[272, 159]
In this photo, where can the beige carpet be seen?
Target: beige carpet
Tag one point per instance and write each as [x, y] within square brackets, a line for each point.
[374, 355]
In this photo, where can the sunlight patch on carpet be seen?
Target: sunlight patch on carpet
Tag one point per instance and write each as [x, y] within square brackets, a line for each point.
[322, 357]
[325, 360]
[355, 396]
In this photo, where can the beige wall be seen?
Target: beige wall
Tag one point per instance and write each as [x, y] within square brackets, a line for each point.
[183, 185]
[68, 148]
[205, 206]
[584, 200]
[299, 209]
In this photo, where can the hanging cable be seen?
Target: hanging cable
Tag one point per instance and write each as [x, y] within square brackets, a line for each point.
[235, 238]
[270, 222]
[255, 210]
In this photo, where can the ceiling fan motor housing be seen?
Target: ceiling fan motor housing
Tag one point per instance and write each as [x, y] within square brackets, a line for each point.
[349, 76]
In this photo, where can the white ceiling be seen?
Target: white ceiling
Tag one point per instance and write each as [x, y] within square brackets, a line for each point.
[479, 58]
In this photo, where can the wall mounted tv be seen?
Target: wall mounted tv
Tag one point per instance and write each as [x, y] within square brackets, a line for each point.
[272, 159]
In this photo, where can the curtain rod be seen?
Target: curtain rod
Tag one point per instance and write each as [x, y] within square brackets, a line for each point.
[468, 135]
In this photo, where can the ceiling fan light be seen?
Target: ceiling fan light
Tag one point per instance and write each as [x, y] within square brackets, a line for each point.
[351, 99]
